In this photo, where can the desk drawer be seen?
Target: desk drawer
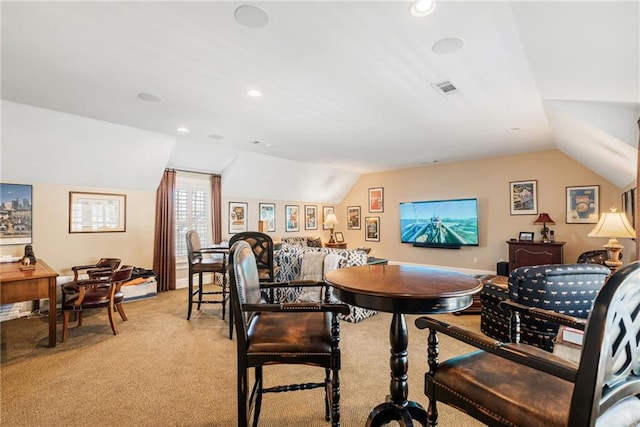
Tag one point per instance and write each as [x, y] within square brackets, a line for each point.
[24, 290]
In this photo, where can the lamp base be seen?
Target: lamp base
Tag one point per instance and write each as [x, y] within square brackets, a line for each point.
[613, 248]
[331, 239]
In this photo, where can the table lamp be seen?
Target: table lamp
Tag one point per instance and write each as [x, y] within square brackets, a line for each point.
[544, 219]
[331, 221]
[613, 224]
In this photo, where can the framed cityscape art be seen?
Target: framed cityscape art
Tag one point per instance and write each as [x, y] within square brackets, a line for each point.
[16, 201]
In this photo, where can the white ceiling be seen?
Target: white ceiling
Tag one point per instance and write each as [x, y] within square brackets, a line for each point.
[346, 84]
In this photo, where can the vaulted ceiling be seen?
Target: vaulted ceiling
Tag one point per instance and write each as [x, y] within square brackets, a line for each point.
[346, 86]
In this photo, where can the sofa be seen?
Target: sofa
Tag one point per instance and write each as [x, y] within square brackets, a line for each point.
[290, 260]
[564, 288]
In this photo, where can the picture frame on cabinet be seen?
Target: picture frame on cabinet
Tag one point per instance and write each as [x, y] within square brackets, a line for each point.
[338, 236]
[526, 236]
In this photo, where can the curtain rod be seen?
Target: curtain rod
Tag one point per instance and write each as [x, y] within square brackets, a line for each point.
[192, 171]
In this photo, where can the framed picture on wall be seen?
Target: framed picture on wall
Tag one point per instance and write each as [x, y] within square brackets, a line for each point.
[16, 203]
[629, 205]
[291, 215]
[353, 218]
[376, 199]
[267, 212]
[97, 212]
[583, 204]
[326, 210]
[237, 217]
[524, 197]
[372, 228]
[310, 217]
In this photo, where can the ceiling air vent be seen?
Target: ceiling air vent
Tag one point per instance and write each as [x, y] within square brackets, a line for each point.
[446, 87]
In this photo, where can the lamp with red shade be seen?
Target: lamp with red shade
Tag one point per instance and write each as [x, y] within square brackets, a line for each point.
[544, 219]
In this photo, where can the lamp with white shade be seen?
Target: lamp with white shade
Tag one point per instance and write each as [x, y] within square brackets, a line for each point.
[330, 221]
[613, 225]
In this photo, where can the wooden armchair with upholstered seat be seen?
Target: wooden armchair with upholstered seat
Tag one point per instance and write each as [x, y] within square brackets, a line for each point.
[513, 384]
[103, 268]
[286, 333]
[97, 293]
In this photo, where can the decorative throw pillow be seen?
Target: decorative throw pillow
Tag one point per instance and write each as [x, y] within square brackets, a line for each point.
[314, 243]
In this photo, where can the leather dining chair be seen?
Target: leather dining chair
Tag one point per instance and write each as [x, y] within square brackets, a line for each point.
[206, 260]
[514, 384]
[102, 268]
[98, 293]
[286, 333]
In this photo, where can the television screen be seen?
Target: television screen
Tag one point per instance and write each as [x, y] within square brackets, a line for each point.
[440, 223]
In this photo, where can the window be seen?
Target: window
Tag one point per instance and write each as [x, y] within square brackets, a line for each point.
[193, 211]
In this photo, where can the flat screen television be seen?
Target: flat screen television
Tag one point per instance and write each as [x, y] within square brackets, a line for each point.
[440, 223]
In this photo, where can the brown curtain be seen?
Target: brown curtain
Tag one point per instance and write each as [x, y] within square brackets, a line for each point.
[164, 249]
[216, 208]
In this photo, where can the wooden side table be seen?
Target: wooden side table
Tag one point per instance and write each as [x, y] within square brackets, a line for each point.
[342, 245]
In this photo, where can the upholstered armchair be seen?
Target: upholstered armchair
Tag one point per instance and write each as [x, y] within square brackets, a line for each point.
[563, 288]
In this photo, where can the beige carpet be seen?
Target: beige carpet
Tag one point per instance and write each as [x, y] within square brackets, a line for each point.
[162, 370]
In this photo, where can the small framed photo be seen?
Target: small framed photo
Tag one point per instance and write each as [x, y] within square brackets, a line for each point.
[326, 210]
[267, 212]
[376, 199]
[97, 212]
[372, 229]
[291, 217]
[237, 217]
[583, 204]
[524, 197]
[526, 236]
[338, 236]
[353, 218]
[310, 217]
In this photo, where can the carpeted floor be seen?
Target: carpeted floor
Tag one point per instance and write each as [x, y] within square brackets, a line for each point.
[162, 370]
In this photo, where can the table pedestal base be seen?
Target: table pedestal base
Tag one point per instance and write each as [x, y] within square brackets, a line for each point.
[397, 407]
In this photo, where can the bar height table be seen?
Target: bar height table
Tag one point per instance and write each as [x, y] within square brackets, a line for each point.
[402, 289]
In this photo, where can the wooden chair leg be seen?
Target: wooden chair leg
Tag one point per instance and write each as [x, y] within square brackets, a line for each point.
[243, 397]
[335, 399]
[258, 396]
[65, 325]
[190, 296]
[112, 320]
[120, 309]
[199, 290]
[79, 315]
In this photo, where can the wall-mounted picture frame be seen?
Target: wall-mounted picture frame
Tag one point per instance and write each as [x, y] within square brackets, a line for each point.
[291, 215]
[524, 197]
[237, 217]
[583, 204]
[372, 229]
[629, 205]
[338, 236]
[376, 199]
[326, 210]
[353, 218]
[310, 217]
[16, 214]
[267, 212]
[97, 212]
[526, 236]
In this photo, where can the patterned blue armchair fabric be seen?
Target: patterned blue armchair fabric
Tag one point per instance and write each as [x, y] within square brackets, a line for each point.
[564, 288]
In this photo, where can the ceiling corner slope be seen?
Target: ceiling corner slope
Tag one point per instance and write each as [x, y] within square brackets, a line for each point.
[46, 146]
[257, 176]
[585, 132]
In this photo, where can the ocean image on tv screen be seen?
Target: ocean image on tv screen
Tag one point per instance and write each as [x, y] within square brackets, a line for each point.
[447, 222]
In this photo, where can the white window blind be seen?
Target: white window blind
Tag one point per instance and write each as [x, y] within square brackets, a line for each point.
[193, 211]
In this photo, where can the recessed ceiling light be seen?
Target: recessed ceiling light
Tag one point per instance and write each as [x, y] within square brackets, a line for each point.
[251, 16]
[448, 45]
[255, 142]
[149, 97]
[216, 136]
[422, 8]
[510, 130]
[182, 129]
[254, 93]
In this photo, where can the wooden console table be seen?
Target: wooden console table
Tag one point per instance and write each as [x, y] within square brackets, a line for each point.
[342, 245]
[534, 253]
[17, 285]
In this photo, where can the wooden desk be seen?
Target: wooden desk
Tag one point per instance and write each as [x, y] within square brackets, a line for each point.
[17, 286]
[401, 289]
